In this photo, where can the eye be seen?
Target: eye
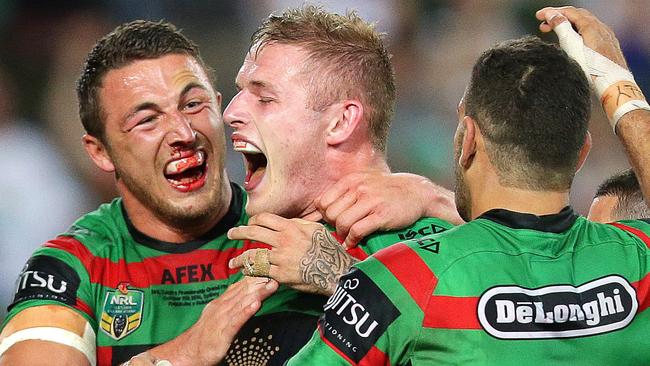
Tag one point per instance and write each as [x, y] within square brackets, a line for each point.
[264, 100]
[193, 106]
[147, 119]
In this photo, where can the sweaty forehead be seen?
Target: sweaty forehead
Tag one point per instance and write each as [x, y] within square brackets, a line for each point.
[273, 63]
[170, 72]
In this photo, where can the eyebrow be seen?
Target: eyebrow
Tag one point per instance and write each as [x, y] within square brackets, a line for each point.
[151, 105]
[191, 86]
[257, 84]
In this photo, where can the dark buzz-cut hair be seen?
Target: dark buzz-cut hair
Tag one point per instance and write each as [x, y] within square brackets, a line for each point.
[137, 40]
[625, 187]
[532, 103]
[346, 57]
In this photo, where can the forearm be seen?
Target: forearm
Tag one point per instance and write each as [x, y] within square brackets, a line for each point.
[633, 130]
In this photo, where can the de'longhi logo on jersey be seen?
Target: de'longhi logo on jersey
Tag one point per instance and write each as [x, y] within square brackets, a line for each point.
[559, 311]
[122, 311]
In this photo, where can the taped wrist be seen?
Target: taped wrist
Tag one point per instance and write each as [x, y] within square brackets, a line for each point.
[614, 85]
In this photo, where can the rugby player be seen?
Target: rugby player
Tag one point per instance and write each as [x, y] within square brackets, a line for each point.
[526, 280]
[619, 197]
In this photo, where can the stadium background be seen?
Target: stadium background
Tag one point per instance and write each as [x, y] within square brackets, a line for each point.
[48, 181]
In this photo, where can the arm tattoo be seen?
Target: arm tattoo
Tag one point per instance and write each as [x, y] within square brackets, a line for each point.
[325, 262]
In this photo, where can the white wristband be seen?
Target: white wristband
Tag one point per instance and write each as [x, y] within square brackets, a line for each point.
[603, 74]
[630, 106]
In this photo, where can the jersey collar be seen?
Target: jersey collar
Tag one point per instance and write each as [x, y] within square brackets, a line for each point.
[228, 221]
[554, 223]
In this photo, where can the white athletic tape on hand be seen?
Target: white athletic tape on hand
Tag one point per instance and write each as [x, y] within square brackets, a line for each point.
[601, 72]
[85, 344]
[605, 71]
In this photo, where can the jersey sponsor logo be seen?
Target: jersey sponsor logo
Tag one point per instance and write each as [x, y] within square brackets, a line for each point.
[356, 315]
[122, 311]
[47, 278]
[421, 231]
[187, 274]
[560, 311]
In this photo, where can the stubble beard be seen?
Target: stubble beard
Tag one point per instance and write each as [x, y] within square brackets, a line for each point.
[463, 197]
[173, 214]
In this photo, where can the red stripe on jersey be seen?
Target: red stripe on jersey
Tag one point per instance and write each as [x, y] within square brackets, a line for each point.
[410, 270]
[449, 312]
[178, 267]
[642, 288]
[85, 308]
[333, 347]
[375, 356]
[634, 231]
[104, 355]
[357, 253]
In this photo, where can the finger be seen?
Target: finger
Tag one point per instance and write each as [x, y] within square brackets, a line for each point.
[579, 18]
[254, 233]
[238, 261]
[337, 190]
[340, 205]
[346, 219]
[269, 221]
[279, 274]
[360, 230]
[314, 216]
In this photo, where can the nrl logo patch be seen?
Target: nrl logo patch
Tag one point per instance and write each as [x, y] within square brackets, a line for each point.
[560, 311]
[122, 311]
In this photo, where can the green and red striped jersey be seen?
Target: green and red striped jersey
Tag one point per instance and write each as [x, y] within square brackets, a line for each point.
[505, 289]
[288, 318]
[138, 292]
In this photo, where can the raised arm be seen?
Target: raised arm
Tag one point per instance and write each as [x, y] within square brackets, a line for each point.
[598, 51]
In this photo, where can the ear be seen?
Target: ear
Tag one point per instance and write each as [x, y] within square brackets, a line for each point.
[98, 153]
[344, 121]
[584, 152]
[468, 145]
[218, 98]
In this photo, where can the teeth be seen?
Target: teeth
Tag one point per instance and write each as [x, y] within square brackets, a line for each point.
[177, 166]
[245, 147]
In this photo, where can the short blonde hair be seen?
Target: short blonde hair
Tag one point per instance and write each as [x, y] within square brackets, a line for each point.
[347, 57]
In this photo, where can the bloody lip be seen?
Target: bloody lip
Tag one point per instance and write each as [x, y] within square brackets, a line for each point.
[191, 186]
[187, 172]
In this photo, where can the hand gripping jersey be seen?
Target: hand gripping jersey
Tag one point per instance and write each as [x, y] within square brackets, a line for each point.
[505, 289]
[137, 292]
[288, 318]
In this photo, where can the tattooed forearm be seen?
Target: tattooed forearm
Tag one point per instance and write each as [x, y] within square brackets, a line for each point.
[325, 262]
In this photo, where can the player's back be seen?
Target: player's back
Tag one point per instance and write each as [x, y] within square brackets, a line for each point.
[517, 288]
[505, 289]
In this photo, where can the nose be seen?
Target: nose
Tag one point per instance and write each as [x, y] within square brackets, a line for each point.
[235, 113]
[181, 131]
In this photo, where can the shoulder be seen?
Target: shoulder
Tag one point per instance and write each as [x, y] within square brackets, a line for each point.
[423, 227]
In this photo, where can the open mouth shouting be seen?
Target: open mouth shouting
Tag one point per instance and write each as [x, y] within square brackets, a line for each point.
[254, 159]
[186, 173]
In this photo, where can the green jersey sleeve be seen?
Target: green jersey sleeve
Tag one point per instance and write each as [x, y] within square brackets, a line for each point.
[54, 275]
[375, 314]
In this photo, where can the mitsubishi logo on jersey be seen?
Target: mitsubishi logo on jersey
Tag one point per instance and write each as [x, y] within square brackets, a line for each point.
[356, 315]
[560, 311]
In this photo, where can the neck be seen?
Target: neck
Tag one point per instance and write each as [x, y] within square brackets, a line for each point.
[492, 195]
[174, 230]
[341, 161]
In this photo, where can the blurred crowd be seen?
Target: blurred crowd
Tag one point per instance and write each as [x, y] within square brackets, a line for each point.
[49, 181]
